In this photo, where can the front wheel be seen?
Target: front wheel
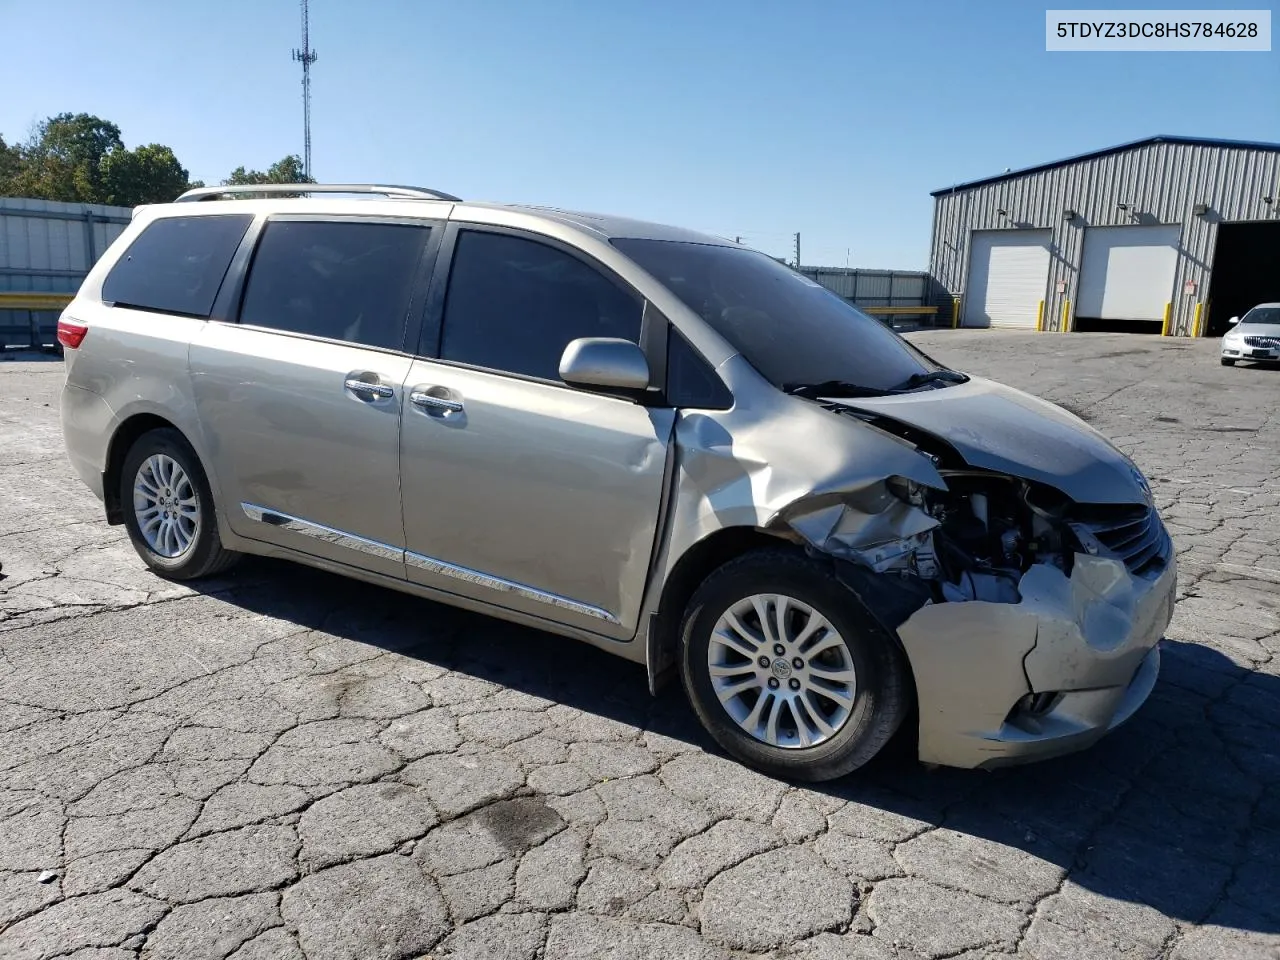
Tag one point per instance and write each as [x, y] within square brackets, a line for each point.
[787, 671]
[168, 508]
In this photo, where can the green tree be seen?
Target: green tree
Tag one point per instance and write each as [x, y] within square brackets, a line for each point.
[10, 164]
[80, 158]
[62, 160]
[287, 170]
[148, 174]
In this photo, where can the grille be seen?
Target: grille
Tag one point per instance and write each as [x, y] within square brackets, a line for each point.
[1272, 342]
[1131, 534]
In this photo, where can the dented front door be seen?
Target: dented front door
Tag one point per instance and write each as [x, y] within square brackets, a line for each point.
[531, 496]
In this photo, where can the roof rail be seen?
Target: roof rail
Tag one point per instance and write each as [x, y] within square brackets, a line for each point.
[382, 190]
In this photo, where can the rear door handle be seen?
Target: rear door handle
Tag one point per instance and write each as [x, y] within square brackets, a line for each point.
[364, 389]
[430, 402]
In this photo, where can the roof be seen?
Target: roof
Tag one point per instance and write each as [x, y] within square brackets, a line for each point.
[317, 197]
[1121, 148]
[610, 227]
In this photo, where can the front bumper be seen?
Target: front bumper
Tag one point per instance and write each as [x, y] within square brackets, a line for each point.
[1087, 643]
[1246, 352]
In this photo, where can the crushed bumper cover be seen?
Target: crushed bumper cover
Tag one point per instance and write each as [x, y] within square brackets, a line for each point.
[1087, 643]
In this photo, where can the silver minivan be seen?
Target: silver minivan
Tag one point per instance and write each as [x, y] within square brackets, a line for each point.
[659, 442]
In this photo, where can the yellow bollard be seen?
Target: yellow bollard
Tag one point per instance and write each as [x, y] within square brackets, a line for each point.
[1066, 314]
[1195, 325]
[1040, 317]
[1168, 311]
[955, 312]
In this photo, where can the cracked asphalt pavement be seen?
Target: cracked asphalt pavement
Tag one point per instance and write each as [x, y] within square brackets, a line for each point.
[282, 763]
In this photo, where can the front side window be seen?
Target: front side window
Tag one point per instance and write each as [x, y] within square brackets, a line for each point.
[515, 304]
[789, 328]
[343, 280]
[176, 264]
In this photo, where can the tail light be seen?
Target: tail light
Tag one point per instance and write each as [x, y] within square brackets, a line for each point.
[71, 333]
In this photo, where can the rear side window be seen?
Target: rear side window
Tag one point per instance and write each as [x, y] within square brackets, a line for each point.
[341, 280]
[514, 305]
[176, 264]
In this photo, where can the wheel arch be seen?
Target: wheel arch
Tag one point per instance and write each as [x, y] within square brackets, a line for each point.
[694, 566]
[125, 436]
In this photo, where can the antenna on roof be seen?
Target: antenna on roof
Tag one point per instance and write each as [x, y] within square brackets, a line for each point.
[306, 56]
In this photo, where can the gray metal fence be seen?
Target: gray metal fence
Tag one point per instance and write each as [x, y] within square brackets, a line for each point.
[899, 297]
[46, 249]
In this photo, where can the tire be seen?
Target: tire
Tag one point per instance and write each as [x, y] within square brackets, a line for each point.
[881, 693]
[193, 549]
[1225, 362]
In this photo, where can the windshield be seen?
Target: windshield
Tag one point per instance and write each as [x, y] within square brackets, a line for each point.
[1261, 315]
[789, 328]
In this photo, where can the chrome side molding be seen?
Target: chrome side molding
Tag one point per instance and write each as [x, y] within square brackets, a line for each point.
[384, 551]
[508, 586]
[317, 531]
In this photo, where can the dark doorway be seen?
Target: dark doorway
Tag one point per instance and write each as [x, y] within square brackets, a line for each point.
[1246, 271]
[1098, 325]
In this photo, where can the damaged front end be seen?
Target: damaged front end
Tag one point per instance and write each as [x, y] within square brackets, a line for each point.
[1030, 621]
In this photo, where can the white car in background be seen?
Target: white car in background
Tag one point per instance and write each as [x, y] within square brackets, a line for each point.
[1255, 336]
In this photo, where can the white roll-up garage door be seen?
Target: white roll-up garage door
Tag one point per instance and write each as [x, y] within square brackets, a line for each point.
[1008, 272]
[1127, 272]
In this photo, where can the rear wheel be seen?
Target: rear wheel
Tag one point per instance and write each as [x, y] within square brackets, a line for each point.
[168, 508]
[786, 670]
[1226, 363]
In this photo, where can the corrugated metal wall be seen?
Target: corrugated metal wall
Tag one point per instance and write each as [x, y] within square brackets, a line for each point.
[48, 247]
[1161, 182]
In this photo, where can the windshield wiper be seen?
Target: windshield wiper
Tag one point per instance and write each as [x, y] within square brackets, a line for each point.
[832, 388]
[842, 388]
[933, 376]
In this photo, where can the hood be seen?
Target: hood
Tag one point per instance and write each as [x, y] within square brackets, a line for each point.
[1255, 330]
[994, 427]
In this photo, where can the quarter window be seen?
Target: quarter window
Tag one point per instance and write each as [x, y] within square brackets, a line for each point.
[347, 281]
[515, 304]
[176, 264]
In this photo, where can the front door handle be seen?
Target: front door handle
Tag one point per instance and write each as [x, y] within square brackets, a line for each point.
[430, 402]
[366, 390]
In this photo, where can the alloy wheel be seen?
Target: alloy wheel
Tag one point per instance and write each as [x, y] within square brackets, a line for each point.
[782, 671]
[166, 506]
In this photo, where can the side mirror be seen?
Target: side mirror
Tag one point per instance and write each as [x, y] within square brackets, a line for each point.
[606, 363]
[1233, 321]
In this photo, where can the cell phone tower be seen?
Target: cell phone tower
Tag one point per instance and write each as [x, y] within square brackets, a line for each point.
[306, 56]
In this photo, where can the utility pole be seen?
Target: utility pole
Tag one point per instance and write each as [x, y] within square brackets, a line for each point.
[797, 244]
[306, 56]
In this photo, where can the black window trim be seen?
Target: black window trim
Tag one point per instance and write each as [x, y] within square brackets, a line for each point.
[729, 400]
[223, 283]
[653, 324]
[243, 260]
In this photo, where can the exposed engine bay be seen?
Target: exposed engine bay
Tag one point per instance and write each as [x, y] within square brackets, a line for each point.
[991, 529]
[973, 541]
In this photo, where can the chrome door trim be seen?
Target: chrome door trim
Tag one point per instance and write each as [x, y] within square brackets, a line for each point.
[318, 531]
[490, 582]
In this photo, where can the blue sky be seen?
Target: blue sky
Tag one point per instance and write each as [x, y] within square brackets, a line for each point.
[738, 117]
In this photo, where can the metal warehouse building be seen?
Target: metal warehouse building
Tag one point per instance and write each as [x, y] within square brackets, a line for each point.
[1167, 234]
